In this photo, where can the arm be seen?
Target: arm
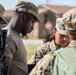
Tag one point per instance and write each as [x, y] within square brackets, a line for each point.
[10, 50]
[11, 71]
[40, 52]
[43, 67]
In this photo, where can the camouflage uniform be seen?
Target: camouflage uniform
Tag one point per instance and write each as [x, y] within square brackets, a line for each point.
[44, 49]
[65, 62]
[45, 65]
[50, 46]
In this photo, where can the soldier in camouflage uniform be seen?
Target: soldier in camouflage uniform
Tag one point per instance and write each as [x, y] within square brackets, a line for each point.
[44, 66]
[65, 62]
[52, 45]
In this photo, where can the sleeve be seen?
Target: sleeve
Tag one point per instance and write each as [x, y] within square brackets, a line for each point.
[38, 55]
[31, 60]
[43, 67]
[11, 47]
[41, 51]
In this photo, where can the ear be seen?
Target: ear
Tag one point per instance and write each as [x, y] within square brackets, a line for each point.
[22, 16]
[54, 32]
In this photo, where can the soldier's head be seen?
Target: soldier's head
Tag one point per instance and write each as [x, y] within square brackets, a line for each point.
[2, 10]
[69, 19]
[27, 16]
[61, 37]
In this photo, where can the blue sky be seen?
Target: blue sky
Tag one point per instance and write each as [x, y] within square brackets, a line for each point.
[9, 4]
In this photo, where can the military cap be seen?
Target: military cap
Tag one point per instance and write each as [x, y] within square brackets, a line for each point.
[60, 26]
[2, 10]
[28, 7]
[69, 19]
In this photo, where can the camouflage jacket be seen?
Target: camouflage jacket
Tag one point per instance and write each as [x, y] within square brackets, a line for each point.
[41, 51]
[44, 49]
[44, 66]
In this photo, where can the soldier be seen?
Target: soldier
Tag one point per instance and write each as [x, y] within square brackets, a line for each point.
[3, 33]
[46, 41]
[2, 20]
[60, 39]
[65, 62]
[22, 22]
[45, 65]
